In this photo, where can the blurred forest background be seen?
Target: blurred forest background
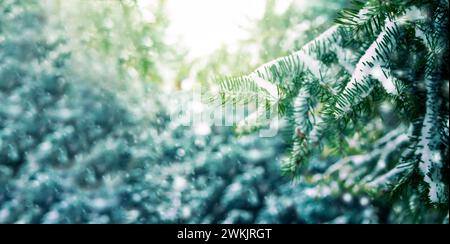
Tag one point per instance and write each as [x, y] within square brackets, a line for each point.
[86, 89]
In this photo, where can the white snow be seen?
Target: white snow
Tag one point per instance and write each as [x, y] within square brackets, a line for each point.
[386, 82]
[132, 215]
[235, 187]
[45, 147]
[430, 163]
[299, 102]
[345, 57]
[52, 216]
[364, 71]
[267, 86]
[202, 129]
[299, 58]
[99, 203]
[312, 64]
[413, 14]
[179, 183]
[4, 214]
[347, 197]
[362, 13]
[364, 201]
[430, 158]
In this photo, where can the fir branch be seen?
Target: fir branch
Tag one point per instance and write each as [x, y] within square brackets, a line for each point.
[430, 163]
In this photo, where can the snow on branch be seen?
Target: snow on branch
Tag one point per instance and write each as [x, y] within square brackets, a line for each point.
[375, 64]
[297, 62]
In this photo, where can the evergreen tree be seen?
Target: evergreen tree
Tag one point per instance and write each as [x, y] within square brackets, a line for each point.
[72, 151]
[82, 141]
[373, 91]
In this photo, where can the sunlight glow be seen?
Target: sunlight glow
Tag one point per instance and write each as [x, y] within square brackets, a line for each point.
[204, 25]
